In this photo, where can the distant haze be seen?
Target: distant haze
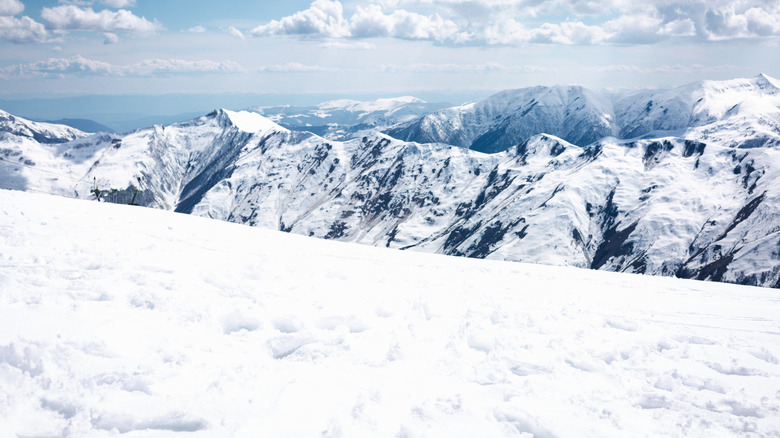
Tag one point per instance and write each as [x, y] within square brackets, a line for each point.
[374, 48]
[127, 112]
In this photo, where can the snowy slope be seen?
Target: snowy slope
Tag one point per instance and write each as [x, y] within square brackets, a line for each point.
[575, 114]
[738, 112]
[162, 161]
[666, 207]
[345, 118]
[17, 129]
[123, 320]
[699, 111]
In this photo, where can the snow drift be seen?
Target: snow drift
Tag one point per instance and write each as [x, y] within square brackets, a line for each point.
[124, 320]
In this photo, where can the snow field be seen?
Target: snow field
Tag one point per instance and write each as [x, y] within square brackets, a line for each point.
[132, 321]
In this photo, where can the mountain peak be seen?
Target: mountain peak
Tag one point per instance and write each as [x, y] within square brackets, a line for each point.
[39, 131]
[248, 121]
[764, 79]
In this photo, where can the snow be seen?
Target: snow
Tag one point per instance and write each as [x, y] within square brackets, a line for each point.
[124, 320]
[345, 119]
[702, 203]
[252, 122]
[701, 111]
[44, 131]
[367, 107]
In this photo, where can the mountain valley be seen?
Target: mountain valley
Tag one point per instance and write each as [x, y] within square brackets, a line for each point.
[682, 182]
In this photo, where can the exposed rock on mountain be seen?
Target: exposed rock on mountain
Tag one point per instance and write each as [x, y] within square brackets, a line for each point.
[701, 201]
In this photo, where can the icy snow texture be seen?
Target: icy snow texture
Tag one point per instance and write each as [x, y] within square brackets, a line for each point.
[118, 319]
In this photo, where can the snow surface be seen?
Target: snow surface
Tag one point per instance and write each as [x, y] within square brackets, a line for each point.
[123, 320]
[42, 132]
[251, 122]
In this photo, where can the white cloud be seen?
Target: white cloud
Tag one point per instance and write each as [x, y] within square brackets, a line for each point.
[589, 7]
[70, 17]
[680, 28]
[506, 22]
[733, 22]
[634, 29]
[236, 33]
[294, 67]
[80, 66]
[617, 68]
[568, 33]
[510, 31]
[462, 68]
[410, 25]
[111, 38]
[10, 7]
[84, 3]
[356, 45]
[197, 29]
[58, 67]
[506, 31]
[324, 18]
[22, 30]
[370, 22]
[154, 67]
[116, 4]
[677, 68]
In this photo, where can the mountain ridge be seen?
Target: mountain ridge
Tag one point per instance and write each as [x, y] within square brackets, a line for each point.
[343, 119]
[582, 116]
[699, 203]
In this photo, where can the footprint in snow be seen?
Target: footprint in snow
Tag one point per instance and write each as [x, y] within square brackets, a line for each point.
[174, 422]
[236, 321]
[353, 323]
[654, 401]
[288, 324]
[735, 370]
[765, 355]
[735, 408]
[694, 340]
[527, 369]
[284, 346]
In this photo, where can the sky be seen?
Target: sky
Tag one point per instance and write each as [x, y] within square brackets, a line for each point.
[433, 49]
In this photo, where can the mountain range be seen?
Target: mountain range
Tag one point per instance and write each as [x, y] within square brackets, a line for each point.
[345, 118]
[581, 116]
[682, 182]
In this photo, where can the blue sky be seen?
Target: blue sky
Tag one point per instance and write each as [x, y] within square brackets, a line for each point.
[428, 48]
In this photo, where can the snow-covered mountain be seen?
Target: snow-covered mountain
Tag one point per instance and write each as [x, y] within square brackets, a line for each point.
[123, 321]
[344, 118]
[575, 114]
[17, 128]
[696, 111]
[706, 208]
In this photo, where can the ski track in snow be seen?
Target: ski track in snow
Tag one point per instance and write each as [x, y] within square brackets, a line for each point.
[123, 320]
